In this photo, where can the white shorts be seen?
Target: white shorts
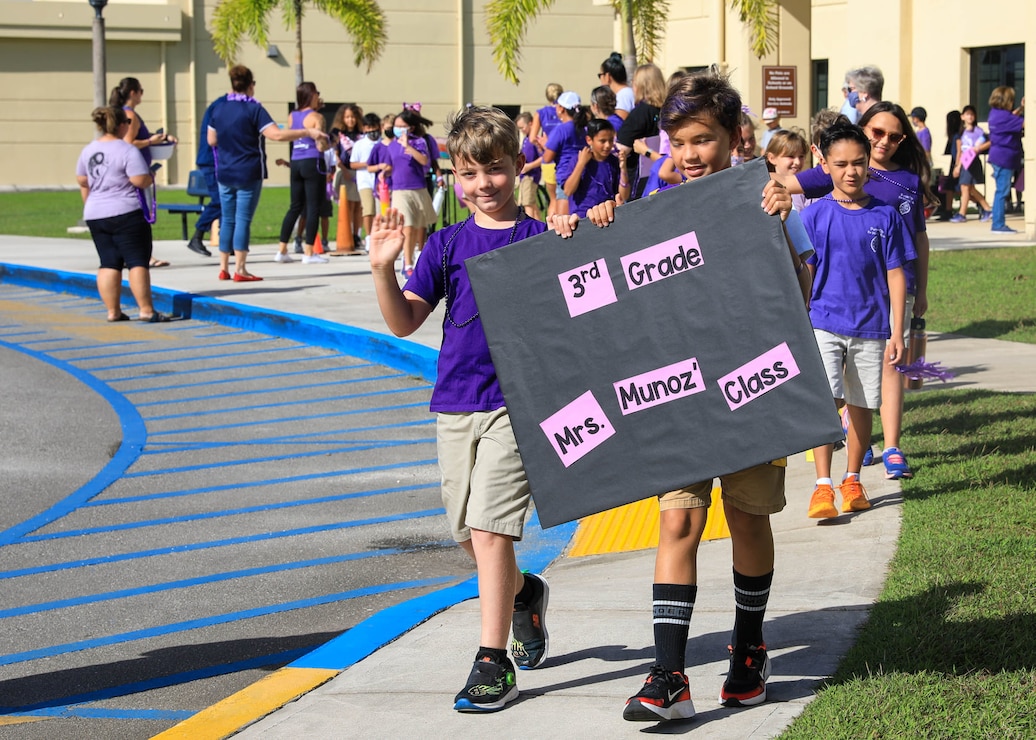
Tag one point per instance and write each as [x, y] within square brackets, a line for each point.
[853, 367]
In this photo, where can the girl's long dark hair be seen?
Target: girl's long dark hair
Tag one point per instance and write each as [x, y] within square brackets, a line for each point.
[910, 155]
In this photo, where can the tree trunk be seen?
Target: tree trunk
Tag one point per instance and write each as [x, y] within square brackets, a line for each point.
[299, 76]
[629, 43]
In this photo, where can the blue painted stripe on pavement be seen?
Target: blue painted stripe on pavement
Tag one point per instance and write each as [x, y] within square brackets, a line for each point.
[328, 436]
[134, 436]
[197, 358]
[154, 588]
[149, 351]
[194, 624]
[194, 547]
[535, 552]
[168, 715]
[8, 335]
[291, 419]
[274, 389]
[260, 483]
[297, 402]
[225, 368]
[209, 515]
[158, 682]
[358, 446]
[222, 381]
[92, 347]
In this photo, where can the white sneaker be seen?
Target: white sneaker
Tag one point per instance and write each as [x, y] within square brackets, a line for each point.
[312, 259]
[282, 257]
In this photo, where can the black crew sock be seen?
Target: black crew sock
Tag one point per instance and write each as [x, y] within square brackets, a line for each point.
[671, 611]
[497, 655]
[751, 594]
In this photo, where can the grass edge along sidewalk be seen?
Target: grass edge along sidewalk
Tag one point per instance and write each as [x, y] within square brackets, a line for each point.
[948, 649]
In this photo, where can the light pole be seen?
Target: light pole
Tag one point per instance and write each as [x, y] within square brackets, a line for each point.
[99, 61]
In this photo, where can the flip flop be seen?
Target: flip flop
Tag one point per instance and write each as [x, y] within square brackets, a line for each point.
[122, 317]
[155, 318]
[158, 263]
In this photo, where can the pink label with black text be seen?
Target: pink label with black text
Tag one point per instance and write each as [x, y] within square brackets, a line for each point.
[659, 386]
[761, 375]
[577, 428]
[587, 287]
[671, 257]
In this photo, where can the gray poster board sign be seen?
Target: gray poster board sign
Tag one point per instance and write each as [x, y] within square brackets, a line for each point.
[669, 348]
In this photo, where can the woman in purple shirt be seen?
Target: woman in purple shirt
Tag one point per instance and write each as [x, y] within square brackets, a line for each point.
[308, 174]
[1005, 151]
[110, 173]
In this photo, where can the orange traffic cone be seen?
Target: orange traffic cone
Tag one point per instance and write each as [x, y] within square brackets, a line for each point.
[345, 228]
[318, 247]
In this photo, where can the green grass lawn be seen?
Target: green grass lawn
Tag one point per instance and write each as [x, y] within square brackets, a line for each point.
[948, 651]
[46, 213]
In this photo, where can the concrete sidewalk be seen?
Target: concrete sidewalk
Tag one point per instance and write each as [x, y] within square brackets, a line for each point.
[827, 575]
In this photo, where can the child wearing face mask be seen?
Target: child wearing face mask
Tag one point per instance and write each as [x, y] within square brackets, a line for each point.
[365, 180]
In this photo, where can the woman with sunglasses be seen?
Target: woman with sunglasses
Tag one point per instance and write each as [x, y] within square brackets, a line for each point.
[613, 74]
[898, 175]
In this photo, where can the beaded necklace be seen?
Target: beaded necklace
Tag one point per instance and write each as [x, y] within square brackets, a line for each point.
[847, 200]
[884, 178]
[446, 258]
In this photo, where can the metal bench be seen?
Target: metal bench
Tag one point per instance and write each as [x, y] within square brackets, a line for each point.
[196, 188]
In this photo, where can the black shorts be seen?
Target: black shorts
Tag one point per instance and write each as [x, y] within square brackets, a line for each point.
[122, 241]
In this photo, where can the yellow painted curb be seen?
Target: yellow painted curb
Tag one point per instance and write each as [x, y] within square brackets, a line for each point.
[250, 704]
[8, 721]
[635, 527]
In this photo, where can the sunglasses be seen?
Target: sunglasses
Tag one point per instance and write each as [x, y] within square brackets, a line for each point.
[877, 134]
[600, 75]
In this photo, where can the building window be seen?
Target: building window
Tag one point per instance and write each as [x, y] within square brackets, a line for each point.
[819, 87]
[993, 66]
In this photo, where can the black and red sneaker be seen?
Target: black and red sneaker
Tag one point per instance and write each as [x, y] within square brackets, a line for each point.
[746, 680]
[666, 695]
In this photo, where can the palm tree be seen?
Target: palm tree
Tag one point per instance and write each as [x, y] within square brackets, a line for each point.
[233, 20]
[643, 22]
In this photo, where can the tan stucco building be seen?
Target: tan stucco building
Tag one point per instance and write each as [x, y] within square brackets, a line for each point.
[939, 54]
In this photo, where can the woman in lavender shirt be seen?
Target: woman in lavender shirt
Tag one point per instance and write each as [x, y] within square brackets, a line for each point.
[111, 173]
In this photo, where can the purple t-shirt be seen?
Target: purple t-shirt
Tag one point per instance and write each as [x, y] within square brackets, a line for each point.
[898, 188]
[407, 172]
[1005, 138]
[466, 378]
[600, 182]
[924, 135]
[531, 155]
[108, 166]
[548, 119]
[971, 139]
[854, 250]
[306, 147]
[566, 144]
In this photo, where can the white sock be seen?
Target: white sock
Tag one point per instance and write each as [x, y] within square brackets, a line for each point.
[825, 482]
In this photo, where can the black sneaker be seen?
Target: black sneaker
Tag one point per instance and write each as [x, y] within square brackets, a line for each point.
[665, 696]
[490, 686]
[746, 680]
[197, 246]
[529, 642]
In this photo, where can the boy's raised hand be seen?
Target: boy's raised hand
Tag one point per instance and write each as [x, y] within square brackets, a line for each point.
[776, 199]
[386, 240]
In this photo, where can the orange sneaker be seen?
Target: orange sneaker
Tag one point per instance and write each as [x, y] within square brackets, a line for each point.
[854, 497]
[822, 504]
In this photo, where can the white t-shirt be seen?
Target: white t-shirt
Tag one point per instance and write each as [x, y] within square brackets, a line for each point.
[624, 99]
[361, 153]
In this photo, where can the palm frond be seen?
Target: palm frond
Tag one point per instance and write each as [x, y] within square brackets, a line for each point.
[507, 22]
[233, 20]
[761, 17]
[649, 24]
[365, 23]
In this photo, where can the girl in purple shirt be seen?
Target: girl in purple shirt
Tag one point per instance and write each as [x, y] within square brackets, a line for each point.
[597, 175]
[968, 167]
